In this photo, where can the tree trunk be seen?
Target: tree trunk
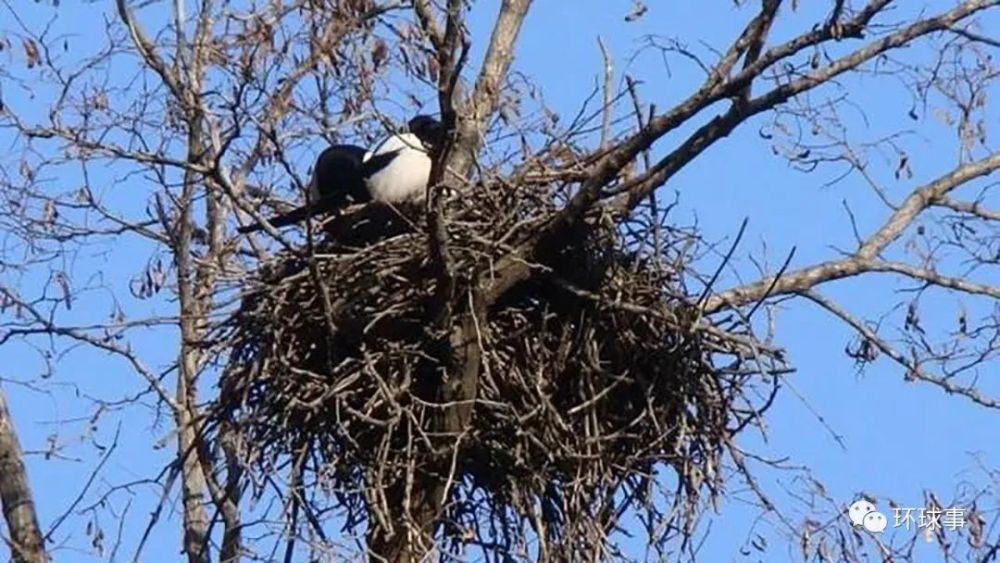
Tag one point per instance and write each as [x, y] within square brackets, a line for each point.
[27, 545]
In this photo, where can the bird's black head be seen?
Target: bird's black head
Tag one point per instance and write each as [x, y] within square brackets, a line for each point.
[428, 130]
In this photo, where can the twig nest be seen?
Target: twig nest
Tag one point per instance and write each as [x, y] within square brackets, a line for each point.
[593, 371]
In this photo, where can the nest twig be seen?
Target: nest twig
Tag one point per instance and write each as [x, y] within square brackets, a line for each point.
[595, 373]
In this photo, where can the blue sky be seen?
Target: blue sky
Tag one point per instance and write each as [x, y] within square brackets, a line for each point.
[900, 438]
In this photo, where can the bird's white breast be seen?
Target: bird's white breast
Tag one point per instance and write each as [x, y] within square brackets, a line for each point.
[406, 176]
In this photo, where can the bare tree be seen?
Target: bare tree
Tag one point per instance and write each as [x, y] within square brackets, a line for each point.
[15, 495]
[555, 317]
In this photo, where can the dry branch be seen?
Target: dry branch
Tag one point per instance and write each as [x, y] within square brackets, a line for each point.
[16, 499]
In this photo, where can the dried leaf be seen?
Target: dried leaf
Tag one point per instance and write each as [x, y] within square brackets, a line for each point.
[977, 526]
[63, 282]
[31, 53]
[379, 53]
[638, 10]
[49, 212]
[433, 68]
[25, 169]
[903, 168]
[912, 321]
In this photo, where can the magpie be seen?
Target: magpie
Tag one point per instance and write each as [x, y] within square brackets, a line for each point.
[396, 170]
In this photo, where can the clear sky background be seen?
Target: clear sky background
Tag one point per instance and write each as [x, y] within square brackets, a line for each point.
[900, 438]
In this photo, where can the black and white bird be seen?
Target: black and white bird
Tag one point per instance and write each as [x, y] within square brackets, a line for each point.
[398, 168]
[395, 170]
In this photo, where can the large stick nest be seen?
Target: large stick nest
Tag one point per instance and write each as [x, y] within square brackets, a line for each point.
[594, 371]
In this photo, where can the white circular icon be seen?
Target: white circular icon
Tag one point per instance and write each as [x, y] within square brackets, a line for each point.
[859, 510]
[874, 522]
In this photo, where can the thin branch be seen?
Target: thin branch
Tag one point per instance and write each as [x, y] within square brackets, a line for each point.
[921, 198]
[609, 72]
[864, 260]
[86, 487]
[499, 54]
[975, 208]
[914, 370]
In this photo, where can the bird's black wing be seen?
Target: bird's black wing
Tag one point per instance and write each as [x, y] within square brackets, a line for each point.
[378, 162]
[296, 215]
[337, 174]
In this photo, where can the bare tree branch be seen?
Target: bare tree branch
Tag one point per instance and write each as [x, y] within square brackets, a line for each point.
[15, 495]
[864, 260]
[499, 54]
[913, 369]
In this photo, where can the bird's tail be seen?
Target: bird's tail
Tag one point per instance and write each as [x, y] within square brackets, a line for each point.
[296, 215]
